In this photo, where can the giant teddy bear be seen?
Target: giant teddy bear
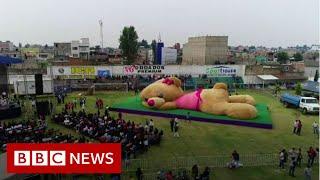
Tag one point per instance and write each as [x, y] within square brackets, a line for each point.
[167, 94]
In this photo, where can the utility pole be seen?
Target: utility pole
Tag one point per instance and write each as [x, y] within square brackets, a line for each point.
[101, 33]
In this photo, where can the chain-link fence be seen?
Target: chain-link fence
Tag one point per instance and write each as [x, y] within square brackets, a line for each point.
[185, 163]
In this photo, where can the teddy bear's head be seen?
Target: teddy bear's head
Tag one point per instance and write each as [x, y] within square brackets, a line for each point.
[161, 91]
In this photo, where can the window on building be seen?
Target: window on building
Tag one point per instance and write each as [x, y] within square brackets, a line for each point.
[75, 55]
[74, 48]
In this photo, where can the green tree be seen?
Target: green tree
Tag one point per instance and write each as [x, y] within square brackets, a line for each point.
[154, 46]
[129, 44]
[42, 64]
[282, 57]
[315, 55]
[144, 43]
[298, 57]
[316, 76]
[298, 89]
[277, 89]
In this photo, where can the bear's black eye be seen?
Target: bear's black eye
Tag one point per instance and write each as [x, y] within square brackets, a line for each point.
[160, 96]
[146, 99]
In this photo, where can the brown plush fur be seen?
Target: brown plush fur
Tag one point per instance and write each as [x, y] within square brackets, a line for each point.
[214, 101]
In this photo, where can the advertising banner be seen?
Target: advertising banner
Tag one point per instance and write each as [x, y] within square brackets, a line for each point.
[221, 71]
[143, 69]
[89, 70]
[103, 73]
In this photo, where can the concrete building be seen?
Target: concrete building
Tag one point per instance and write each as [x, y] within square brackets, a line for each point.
[80, 49]
[205, 50]
[168, 56]
[142, 57]
[6, 46]
[62, 51]
[150, 56]
[30, 53]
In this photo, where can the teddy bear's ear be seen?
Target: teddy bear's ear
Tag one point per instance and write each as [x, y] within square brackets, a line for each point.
[176, 81]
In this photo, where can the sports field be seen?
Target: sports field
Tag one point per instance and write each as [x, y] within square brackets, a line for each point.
[199, 140]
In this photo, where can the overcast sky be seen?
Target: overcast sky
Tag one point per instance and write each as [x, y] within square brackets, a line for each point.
[246, 22]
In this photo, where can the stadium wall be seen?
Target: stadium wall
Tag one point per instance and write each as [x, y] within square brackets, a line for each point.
[194, 70]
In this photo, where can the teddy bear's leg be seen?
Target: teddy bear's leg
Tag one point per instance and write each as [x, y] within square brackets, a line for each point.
[241, 110]
[216, 109]
[242, 99]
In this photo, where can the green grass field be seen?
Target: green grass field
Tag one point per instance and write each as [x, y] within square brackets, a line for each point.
[207, 139]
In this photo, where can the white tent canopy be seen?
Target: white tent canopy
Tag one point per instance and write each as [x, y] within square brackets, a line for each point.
[267, 77]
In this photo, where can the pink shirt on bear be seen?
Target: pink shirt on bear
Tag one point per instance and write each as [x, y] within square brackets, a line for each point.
[189, 101]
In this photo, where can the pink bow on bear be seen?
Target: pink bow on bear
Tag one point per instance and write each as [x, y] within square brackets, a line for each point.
[168, 81]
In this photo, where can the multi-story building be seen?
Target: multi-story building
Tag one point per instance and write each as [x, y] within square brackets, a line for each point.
[46, 53]
[142, 57]
[80, 49]
[6, 46]
[168, 56]
[30, 53]
[205, 50]
[62, 51]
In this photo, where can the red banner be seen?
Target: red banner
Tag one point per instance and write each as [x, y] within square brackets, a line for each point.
[64, 158]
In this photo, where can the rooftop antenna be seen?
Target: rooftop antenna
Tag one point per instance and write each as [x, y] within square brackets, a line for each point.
[159, 37]
[101, 32]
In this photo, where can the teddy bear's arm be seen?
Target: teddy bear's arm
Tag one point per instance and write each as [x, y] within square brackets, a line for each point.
[168, 105]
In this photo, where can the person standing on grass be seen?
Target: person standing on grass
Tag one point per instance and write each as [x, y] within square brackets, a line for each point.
[315, 127]
[176, 128]
[311, 155]
[206, 174]
[75, 102]
[171, 124]
[308, 172]
[139, 174]
[106, 111]
[281, 158]
[292, 154]
[169, 175]
[299, 157]
[299, 127]
[295, 126]
[188, 117]
[293, 164]
[151, 125]
[83, 106]
[285, 156]
[195, 171]
[236, 158]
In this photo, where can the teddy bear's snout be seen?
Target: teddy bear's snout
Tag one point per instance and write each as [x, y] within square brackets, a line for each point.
[151, 102]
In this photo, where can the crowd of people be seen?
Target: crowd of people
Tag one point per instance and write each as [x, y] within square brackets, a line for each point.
[32, 131]
[297, 127]
[184, 174]
[134, 137]
[294, 158]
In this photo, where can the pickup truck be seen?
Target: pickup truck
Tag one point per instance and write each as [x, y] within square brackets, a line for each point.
[306, 104]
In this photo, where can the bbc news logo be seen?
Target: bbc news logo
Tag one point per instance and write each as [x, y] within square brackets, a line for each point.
[64, 158]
